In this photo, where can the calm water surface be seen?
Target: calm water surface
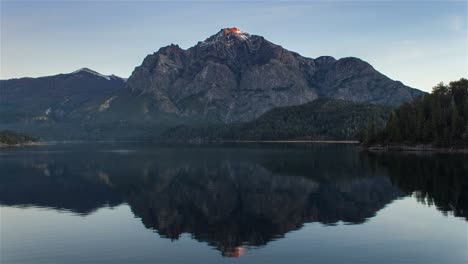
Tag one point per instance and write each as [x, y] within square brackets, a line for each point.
[270, 203]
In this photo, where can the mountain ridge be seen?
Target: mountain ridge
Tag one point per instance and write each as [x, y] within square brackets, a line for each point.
[230, 77]
[78, 71]
[233, 78]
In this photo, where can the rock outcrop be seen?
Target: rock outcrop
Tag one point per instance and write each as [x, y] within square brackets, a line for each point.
[233, 76]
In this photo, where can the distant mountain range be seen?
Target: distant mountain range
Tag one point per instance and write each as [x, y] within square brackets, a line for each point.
[231, 77]
[55, 97]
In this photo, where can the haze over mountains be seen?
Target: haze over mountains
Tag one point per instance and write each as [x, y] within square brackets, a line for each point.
[230, 77]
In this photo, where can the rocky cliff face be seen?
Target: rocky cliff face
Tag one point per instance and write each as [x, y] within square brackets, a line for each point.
[233, 76]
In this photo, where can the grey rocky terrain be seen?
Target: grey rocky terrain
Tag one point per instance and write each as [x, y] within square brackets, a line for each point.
[233, 76]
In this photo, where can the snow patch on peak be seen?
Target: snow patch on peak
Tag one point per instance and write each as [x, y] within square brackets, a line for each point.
[107, 77]
[226, 36]
[235, 32]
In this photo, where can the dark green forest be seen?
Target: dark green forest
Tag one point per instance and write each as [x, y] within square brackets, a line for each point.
[322, 119]
[436, 179]
[439, 118]
[13, 138]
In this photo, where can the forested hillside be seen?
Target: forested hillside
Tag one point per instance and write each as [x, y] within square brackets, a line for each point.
[328, 119]
[439, 118]
[13, 138]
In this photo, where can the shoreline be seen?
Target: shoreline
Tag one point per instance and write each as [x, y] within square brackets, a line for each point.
[415, 148]
[374, 148]
[293, 141]
[26, 144]
[43, 143]
[261, 141]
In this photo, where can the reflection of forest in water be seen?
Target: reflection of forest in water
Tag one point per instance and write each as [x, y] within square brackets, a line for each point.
[434, 179]
[231, 197]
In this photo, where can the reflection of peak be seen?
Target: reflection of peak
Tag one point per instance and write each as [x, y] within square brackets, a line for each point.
[235, 200]
[233, 252]
[236, 204]
[232, 199]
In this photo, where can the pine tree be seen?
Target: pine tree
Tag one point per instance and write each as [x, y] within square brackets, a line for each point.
[440, 117]
[393, 129]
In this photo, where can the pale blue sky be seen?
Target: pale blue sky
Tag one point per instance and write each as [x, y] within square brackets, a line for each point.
[419, 43]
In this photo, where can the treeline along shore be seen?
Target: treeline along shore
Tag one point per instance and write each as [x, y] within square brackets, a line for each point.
[10, 138]
[434, 122]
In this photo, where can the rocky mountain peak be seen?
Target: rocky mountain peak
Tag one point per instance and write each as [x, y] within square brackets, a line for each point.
[233, 76]
[235, 32]
[226, 37]
[170, 48]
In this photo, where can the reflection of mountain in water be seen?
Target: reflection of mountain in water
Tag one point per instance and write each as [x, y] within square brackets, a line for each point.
[226, 197]
[58, 184]
[232, 203]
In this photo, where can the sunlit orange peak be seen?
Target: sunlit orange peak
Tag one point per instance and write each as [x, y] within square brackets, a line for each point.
[231, 30]
[234, 252]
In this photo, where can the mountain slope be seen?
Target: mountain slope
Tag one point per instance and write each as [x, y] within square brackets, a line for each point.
[234, 77]
[54, 98]
[320, 119]
[62, 106]
[231, 77]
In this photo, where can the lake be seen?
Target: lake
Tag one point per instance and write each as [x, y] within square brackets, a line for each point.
[231, 203]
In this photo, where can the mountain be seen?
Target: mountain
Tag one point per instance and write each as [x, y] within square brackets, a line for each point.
[233, 76]
[320, 119]
[54, 97]
[56, 106]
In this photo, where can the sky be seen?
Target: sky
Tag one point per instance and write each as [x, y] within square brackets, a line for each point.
[420, 43]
